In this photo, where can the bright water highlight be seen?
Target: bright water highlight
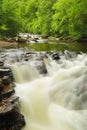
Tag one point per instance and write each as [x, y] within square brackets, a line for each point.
[56, 101]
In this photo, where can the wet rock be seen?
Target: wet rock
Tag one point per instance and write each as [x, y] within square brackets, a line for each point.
[33, 39]
[21, 40]
[8, 93]
[45, 36]
[8, 104]
[55, 56]
[1, 86]
[6, 80]
[40, 65]
[69, 54]
[27, 38]
[37, 60]
[12, 120]
[10, 116]
[1, 63]
[8, 39]
[14, 99]
[28, 56]
[51, 38]
[2, 59]
[6, 72]
[58, 38]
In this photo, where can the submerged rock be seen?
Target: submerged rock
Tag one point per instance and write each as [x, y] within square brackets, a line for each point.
[41, 67]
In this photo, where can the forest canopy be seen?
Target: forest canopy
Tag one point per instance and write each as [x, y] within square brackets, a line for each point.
[47, 17]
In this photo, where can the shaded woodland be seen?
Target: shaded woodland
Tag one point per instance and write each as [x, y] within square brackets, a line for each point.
[58, 18]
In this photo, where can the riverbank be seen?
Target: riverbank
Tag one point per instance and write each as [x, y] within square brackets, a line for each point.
[7, 44]
[42, 43]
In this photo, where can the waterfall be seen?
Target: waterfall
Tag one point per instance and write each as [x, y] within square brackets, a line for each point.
[57, 100]
[24, 72]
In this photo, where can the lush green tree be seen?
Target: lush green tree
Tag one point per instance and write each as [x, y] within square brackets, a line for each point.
[28, 11]
[44, 15]
[10, 19]
[70, 18]
[48, 17]
[2, 26]
[77, 19]
[37, 15]
[60, 17]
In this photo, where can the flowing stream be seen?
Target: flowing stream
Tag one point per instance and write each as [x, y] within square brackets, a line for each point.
[56, 100]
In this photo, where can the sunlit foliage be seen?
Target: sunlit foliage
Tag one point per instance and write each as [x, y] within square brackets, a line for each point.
[47, 17]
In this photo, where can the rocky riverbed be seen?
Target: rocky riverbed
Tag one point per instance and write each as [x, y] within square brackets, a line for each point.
[56, 80]
[10, 115]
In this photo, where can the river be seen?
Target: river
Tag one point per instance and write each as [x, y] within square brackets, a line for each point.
[56, 100]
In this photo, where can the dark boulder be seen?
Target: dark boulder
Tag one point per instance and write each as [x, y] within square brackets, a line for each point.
[8, 93]
[10, 116]
[6, 72]
[12, 120]
[6, 80]
[55, 56]
[1, 63]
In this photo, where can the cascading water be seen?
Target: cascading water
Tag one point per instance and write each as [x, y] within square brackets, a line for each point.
[56, 100]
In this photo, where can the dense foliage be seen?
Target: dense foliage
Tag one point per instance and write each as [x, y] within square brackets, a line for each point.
[10, 21]
[47, 17]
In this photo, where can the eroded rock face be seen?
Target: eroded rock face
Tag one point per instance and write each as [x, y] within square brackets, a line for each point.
[37, 60]
[6, 72]
[11, 120]
[10, 116]
[6, 80]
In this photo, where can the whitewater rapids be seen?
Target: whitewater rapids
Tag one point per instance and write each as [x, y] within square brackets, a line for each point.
[57, 100]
